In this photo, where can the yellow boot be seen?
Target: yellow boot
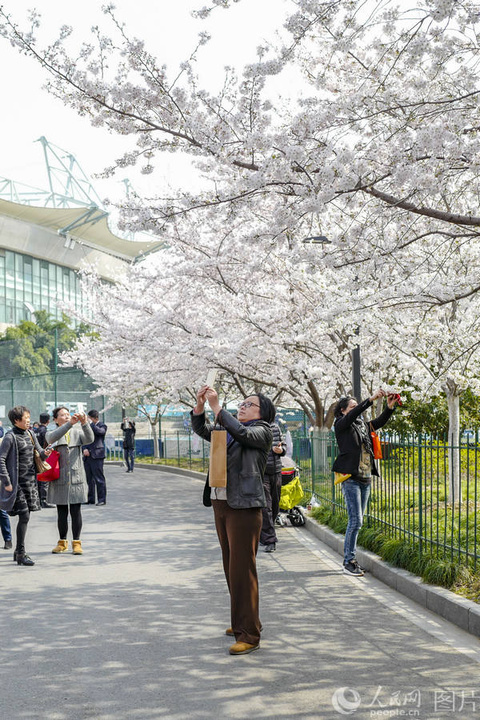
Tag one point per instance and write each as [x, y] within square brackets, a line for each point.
[62, 546]
[77, 547]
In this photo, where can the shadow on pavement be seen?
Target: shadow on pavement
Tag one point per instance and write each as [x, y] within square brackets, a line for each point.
[134, 629]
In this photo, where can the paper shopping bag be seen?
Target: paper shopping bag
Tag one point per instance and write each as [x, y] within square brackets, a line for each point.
[217, 474]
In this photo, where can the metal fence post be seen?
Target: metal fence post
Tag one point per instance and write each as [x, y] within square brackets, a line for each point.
[420, 494]
[313, 463]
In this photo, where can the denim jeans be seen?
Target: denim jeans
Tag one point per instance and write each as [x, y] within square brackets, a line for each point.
[129, 455]
[5, 526]
[356, 496]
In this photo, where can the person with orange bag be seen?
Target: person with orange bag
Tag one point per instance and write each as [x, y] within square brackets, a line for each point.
[355, 464]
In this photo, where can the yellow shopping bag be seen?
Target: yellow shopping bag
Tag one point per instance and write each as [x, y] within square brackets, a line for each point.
[340, 477]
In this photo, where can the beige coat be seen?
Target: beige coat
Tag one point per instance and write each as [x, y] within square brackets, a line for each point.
[71, 487]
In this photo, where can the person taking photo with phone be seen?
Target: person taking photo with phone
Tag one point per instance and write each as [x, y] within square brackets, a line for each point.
[238, 506]
[355, 464]
[70, 490]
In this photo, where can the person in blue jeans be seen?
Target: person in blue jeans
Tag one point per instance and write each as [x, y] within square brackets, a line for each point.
[6, 529]
[355, 460]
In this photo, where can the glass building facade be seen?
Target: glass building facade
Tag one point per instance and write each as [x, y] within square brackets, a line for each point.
[27, 283]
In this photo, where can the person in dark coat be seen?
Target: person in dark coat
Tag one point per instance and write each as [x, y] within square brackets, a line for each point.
[272, 484]
[94, 458]
[238, 507]
[128, 428]
[41, 431]
[355, 464]
[19, 493]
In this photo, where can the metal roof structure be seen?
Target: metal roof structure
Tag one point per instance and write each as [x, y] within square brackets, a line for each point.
[70, 207]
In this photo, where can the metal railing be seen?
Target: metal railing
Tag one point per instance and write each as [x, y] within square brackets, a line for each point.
[414, 499]
[427, 492]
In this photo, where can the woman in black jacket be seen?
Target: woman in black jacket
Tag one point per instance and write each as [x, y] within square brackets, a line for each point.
[238, 507]
[19, 493]
[355, 460]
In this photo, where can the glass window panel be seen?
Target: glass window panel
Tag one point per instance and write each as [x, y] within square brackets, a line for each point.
[44, 278]
[27, 276]
[9, 311]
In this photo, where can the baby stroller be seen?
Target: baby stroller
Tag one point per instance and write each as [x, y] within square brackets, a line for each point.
[291, 493]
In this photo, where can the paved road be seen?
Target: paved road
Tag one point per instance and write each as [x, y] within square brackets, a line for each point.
[133, 629]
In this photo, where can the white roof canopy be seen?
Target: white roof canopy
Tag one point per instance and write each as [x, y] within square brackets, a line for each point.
[86, 224]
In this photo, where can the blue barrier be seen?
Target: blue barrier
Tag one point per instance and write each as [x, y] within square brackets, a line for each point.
[145, 447]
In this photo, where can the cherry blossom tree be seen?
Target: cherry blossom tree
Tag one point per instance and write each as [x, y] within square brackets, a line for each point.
[442, 352]
[377, 150]
[379, 145]
[165, 319]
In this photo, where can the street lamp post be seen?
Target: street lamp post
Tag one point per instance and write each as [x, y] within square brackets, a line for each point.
[356, 377]
[356, 362]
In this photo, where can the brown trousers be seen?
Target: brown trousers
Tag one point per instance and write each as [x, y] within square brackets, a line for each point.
[239, 532]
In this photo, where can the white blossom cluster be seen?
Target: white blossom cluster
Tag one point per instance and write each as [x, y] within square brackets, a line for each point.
[378, 151]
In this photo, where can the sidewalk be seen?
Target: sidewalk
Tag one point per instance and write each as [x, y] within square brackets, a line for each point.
[134, 629]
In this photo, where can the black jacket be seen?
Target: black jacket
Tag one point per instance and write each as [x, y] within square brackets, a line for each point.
[274, 464]
[128, 435]
[246, 458]
[349, 439]
[41, 432]
[97, 447]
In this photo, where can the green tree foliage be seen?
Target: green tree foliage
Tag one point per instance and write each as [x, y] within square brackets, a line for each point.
[431, 417]
[30, 347]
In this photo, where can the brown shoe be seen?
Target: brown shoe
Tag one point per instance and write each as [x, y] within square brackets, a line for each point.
[229, 632]
[60, 547]
[242, 648]
[77, 547]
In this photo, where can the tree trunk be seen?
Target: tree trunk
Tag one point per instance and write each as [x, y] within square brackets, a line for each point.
[318, 404]
[453, 400]
[153, 424]
[321, 463]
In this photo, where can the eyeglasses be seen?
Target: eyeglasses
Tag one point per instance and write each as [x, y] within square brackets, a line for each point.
[246, 405]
